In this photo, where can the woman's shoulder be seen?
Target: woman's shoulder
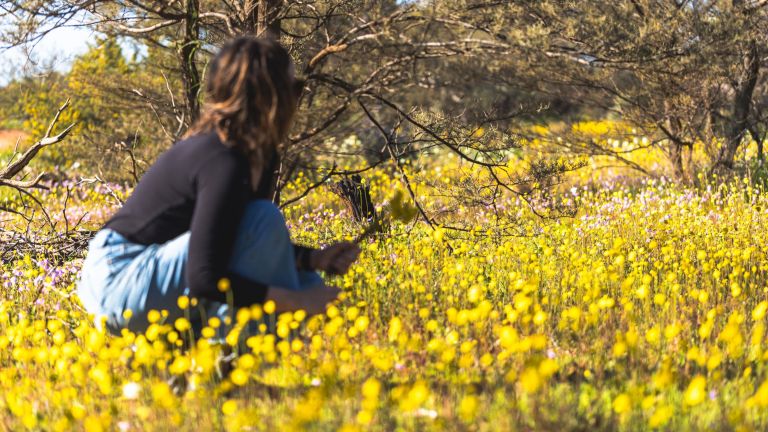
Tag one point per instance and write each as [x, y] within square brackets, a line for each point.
[203, 147]
[201, 141]
[205, 153]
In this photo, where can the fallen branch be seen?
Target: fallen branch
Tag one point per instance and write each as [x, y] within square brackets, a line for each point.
[57, 248]
[7, 174]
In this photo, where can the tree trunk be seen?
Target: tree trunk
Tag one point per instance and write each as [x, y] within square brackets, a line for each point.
[261, 20]
[189, 73]
[357, 197]
[676, 144]
[741, 107]
[759, 140]
[676, 156]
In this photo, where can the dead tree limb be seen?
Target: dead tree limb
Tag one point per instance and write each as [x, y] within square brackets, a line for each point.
[7, 174]
[357, 196]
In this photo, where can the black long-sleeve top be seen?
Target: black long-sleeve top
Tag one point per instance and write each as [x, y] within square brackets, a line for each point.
[202, 186]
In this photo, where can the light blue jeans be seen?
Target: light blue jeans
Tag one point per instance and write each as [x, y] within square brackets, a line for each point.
[119, 275]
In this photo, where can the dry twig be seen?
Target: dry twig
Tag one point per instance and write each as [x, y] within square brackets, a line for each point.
[7, 174]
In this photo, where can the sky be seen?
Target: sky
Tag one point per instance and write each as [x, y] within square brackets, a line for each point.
[59, 48]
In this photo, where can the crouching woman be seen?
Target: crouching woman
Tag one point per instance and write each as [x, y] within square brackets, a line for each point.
[201, 218]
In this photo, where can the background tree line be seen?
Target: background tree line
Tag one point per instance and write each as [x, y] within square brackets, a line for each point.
[408, 76]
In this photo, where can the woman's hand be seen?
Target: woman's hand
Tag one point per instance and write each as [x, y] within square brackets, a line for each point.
[334, 259]
[313, 300]
[316, 299]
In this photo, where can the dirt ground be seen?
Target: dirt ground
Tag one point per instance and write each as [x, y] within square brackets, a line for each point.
[8, 138]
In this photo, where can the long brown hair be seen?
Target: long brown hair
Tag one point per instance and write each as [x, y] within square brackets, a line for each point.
[250, 98]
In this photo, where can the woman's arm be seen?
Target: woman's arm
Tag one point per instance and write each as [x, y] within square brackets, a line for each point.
[303, 255]
[313, 300]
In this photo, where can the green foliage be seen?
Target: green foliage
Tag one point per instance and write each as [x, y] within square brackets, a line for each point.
[102, 85]
[29, 104]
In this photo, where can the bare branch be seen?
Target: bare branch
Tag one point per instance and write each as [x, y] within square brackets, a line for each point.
[27, 157]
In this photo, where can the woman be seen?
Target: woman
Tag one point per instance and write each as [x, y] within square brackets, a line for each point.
[200, 221]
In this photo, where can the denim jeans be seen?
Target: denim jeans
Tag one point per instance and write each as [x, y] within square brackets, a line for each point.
[119, 275]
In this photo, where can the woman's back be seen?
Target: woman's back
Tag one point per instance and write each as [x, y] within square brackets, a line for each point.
[162, 205]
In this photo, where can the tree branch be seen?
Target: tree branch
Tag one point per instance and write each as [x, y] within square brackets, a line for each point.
[27, 157]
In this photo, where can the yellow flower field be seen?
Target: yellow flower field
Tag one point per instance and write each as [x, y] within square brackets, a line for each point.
[646, 310]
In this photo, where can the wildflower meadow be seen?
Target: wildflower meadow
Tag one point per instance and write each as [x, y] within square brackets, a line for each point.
[645, 310]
